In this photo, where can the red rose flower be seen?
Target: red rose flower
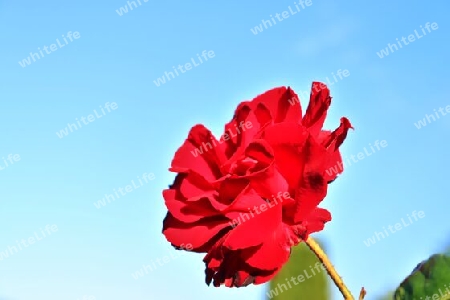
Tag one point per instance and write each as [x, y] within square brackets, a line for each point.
[250, 196]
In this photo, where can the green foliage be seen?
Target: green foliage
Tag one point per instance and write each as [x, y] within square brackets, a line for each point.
[314, 284]
[388, 296]
[430, 280]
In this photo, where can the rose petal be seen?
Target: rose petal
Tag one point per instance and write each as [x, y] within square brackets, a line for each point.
[282, 103]
[319, 102]
[188, 212]
[199, 153]
[311, 191]
[337, 137]
[274, 251]
[287, 141]
[196, 234]
[317, 219]
[251, 232]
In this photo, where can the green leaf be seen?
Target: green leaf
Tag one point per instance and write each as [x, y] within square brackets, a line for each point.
[387, 296]
[310, 280]
[430, 280]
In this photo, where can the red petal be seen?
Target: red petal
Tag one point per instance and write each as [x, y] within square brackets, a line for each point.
[188, 212]
[254, 230]
[275, 250]
[241, 130]
[229, 267]
[269, 183]
[333, 165]
[260, 151]
[319, 102]
[289, 108]
[246, 200]
[311, 191]
[282, 103]
[197, 234]
[337, 137]
[230, 188]
[287, 141]
[199, 153]
[265, 278]
[317, 219]
[192, 185]
[263, 114]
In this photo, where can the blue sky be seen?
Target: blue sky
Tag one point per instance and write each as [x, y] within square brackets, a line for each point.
[114, 63]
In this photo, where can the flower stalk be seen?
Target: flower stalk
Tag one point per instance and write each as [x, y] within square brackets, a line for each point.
[323, 258]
